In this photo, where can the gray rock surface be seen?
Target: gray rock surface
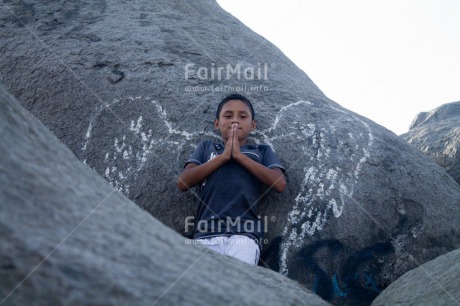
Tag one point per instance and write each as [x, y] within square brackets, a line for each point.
[433, 283]
[123, 84]
[437, 134]
[69, 238]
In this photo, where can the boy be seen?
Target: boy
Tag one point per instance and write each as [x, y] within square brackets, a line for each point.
[230, 175]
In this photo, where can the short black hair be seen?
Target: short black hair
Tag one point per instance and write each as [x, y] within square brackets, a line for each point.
[235, 96]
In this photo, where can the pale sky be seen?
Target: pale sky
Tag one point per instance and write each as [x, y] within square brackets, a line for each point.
[386, 60]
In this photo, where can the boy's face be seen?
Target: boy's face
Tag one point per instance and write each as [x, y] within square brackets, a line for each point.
[235, 111]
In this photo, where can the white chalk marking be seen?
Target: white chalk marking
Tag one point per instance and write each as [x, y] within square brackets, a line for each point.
[332, 186]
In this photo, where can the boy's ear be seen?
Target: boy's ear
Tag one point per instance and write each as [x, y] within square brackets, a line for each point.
[216, 123]
[254, 123]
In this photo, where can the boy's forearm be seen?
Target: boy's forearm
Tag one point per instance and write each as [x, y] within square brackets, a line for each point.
[195, 175]
[273, 178]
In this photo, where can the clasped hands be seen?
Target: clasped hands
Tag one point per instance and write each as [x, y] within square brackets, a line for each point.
[232, 146]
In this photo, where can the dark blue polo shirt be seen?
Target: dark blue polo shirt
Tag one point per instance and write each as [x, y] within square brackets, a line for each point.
[228, 197]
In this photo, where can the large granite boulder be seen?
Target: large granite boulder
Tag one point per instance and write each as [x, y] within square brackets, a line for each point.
[433, 283]
[437, 134]
[132, 87]
[69, 238]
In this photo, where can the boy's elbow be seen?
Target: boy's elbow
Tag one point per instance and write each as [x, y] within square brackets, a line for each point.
[280, 186]
[181, 185]
[182, 188]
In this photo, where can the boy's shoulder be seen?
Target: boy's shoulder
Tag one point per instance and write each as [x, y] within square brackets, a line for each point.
[264, 148]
